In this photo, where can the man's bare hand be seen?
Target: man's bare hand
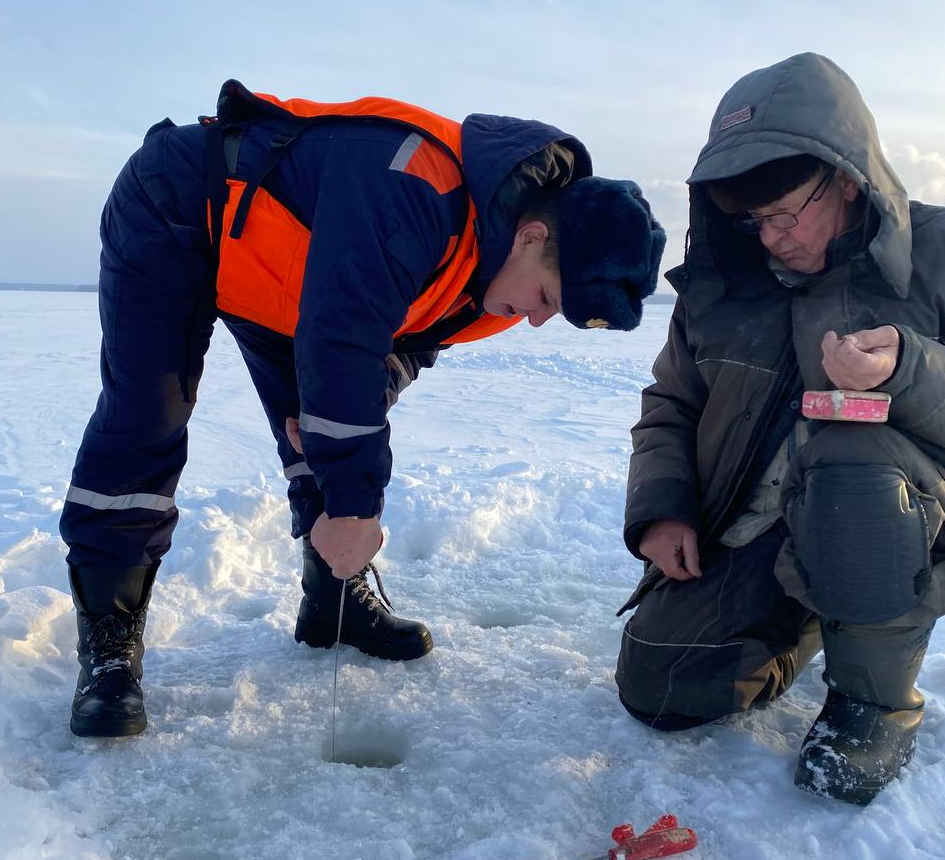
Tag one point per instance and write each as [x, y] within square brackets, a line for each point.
[346, 544]
[673, 547]
[861, 360]
[292, 431]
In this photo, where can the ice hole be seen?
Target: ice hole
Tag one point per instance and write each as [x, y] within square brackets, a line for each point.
[383, 751]
[502, 618]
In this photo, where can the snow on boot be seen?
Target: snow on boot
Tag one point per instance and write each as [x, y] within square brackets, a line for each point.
[866, 731]
[855, 748]
[368, 622]
[111, 607]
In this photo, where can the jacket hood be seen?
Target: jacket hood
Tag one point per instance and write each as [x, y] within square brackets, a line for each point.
[504, 160]
[808, 104]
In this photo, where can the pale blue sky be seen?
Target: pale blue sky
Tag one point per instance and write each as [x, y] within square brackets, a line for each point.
[637, 82]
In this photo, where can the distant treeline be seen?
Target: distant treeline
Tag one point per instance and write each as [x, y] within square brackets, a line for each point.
[51, 288]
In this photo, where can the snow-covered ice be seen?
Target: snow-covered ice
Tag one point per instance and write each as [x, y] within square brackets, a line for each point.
[508, 741]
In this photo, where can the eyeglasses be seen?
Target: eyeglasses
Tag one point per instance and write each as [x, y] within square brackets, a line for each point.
[784, 220]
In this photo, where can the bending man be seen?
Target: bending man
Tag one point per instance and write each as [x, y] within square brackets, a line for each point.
[343, 245]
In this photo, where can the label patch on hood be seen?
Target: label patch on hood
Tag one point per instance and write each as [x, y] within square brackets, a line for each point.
[741, 115]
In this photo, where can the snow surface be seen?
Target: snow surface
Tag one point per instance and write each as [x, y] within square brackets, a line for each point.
[508, 741]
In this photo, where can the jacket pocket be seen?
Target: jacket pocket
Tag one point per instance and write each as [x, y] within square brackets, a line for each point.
[261, 273]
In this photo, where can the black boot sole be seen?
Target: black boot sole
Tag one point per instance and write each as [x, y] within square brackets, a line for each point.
[383, 650]
[91, 727]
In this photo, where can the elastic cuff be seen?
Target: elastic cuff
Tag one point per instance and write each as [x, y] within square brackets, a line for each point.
[660, 499]
[909, 349]
[363, 505]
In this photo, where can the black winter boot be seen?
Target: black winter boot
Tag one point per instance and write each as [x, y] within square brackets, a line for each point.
[867, 728]
[112, 606]
[367, 623]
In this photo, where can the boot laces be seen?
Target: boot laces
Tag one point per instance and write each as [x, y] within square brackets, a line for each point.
[112, 644]
[361, 589]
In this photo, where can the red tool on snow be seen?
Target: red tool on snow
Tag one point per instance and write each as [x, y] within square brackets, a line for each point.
[663, 839]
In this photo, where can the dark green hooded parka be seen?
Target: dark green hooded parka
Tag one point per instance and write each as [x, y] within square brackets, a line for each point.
[742, 346]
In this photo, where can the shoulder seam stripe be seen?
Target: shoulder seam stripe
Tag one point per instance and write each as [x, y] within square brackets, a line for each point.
[406, 151]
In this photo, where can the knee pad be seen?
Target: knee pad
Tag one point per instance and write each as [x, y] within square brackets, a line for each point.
[862, 542]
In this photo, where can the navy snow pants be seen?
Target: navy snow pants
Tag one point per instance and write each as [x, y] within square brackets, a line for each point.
[156, 301]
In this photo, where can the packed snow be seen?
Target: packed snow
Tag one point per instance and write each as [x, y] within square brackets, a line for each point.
[504, 520]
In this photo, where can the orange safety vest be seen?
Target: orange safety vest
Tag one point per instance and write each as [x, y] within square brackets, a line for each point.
[261, 267]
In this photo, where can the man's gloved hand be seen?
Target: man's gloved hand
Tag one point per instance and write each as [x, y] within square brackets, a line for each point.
[673, 547]
[862, 360]
[346, 543]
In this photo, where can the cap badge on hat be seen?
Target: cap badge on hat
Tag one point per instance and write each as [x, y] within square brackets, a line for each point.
[597, 323]
[739, 116]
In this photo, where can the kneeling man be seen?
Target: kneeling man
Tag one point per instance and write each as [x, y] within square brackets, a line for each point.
[767, 535]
